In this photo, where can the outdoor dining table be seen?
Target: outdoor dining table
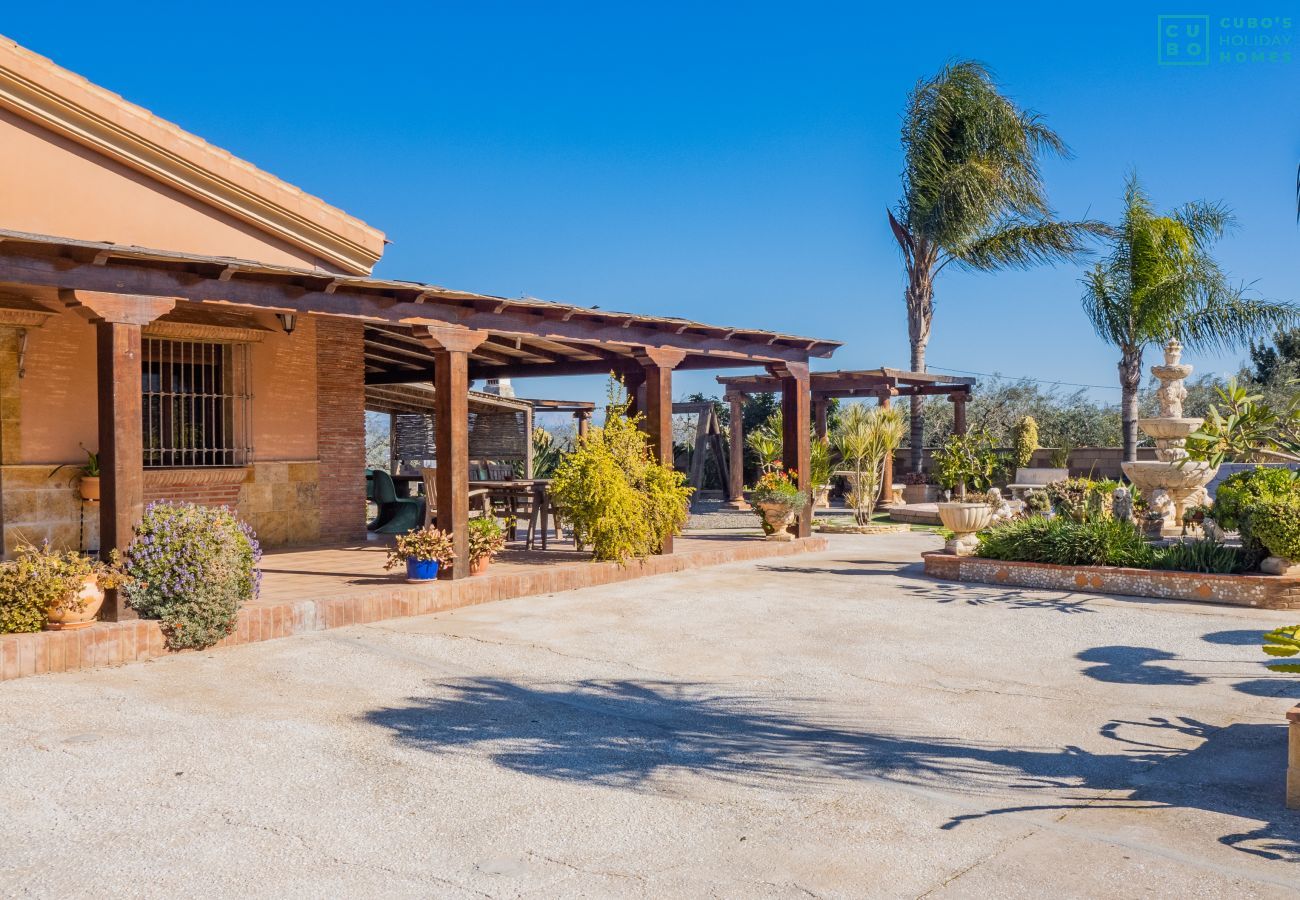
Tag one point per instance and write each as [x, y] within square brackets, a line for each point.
[537, 488]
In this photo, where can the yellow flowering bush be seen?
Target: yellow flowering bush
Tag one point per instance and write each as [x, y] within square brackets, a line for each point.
[618, 498]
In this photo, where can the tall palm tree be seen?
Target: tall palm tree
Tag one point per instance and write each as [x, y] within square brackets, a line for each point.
[972, 195]
[1160, 281]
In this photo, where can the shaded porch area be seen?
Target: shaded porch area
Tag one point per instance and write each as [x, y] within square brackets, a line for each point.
[347, 571]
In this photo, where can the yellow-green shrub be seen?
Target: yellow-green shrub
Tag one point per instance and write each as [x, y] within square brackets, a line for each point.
[618, 499]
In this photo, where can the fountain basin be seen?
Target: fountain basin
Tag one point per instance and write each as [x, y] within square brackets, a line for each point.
[1171, 371]
[1169, 429]
[1150, 474]
[1178, 481]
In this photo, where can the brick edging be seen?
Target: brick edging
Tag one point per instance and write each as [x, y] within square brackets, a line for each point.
[114, 643]
[1255, 591]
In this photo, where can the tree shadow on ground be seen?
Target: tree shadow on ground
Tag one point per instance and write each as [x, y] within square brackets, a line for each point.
[916, 583]
[629, 733]
[1135, 665]
[1239, 637]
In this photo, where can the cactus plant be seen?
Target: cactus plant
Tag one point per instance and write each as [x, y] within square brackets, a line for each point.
[1024, 441]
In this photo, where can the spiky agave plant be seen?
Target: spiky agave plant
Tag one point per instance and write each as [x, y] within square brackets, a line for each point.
[1283, 642]
[864, 438]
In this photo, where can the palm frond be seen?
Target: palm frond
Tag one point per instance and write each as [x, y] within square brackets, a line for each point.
[1020, 245]
[1160, 281]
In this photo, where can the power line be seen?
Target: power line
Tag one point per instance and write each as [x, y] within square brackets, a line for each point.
[1104, 387]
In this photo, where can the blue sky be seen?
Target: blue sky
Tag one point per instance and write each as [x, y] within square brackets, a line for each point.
[731, 165]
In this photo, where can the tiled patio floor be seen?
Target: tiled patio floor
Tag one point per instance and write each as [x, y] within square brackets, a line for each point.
[331, 587]
[324, 572]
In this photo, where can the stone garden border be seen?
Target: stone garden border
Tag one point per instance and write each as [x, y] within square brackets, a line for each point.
[1255, 591]
[883, 528]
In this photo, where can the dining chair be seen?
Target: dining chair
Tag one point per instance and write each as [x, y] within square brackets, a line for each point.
[480, 499]
[396, 515]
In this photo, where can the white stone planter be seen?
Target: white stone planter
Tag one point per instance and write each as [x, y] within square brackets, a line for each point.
[964, 520]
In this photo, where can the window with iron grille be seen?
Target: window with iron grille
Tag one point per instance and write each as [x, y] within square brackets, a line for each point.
[195, 403]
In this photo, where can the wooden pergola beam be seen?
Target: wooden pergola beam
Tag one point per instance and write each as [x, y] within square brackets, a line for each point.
[55, 265]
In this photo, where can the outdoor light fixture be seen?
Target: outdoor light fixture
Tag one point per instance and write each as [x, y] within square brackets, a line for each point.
[288, 321]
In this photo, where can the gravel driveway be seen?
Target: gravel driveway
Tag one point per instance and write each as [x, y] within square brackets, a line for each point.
[826, 725]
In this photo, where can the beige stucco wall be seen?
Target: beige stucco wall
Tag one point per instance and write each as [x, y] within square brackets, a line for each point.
[51, 185]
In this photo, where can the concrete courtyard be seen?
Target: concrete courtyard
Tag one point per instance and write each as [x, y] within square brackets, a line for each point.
[826, 725]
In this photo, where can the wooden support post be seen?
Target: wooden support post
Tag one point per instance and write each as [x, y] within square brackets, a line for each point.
[530, 422]
[736, 452]
[958, 400]
[819, 418]
[451, 348]
[634, 383]
[887, 473]
[795, 449]
[118, 321]
[583, 418]
[657, 365]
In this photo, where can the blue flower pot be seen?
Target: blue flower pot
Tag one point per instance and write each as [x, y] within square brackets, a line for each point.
[421, 569]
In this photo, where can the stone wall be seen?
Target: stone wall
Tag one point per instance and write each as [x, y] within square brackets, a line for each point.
[41, 504]
[281, 501]
[341, 429]
[1092, 462]
[1257, 591]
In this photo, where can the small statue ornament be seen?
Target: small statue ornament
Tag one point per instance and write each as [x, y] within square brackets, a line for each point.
[1122, 504]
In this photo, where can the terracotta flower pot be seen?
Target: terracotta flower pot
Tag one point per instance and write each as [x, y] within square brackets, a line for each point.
[480, 565]
[778, 517]
[90, 598]
[88, 485]
[964, 520]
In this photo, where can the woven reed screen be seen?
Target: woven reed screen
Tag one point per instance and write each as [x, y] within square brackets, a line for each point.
[496, 434]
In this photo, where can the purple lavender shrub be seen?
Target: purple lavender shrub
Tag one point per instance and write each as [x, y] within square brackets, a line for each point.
[192, 567]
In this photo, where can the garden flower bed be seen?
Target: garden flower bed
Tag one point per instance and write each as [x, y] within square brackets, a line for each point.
[1257, 591]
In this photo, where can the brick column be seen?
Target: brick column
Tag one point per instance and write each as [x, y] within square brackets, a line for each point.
[341, 429]
[736, 453]
[451, 348]
[795, 450]
[118, 321]
[657, 364]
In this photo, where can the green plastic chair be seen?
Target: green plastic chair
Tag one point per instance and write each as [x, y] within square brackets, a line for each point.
[397, 515]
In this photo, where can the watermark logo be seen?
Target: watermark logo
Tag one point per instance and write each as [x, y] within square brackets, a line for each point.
[1187, 40]
[1184, 40]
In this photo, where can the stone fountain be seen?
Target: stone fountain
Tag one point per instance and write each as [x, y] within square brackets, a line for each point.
[1170, 480]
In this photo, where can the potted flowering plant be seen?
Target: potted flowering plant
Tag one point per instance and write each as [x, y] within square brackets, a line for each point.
[776, 497]
[56, 589]
[423, 551]
[88, 483]
[486, 540]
